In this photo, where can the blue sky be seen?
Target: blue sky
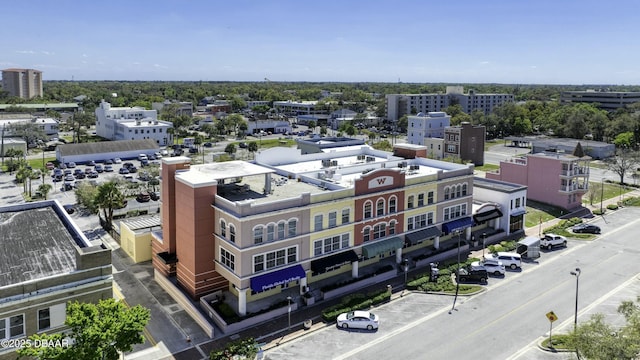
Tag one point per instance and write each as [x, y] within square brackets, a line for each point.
[480, 41]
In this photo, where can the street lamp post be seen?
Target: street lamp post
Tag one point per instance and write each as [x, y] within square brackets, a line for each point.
[575, 318]
[289, 312]
[457, 274]
[484, 237]
[406, 269]
[601, 193]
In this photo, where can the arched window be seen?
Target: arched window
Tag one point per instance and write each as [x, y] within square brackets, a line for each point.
[232, 233]
[281, 234]
[464, 189]
[379, 231]
[446, 193]
[380, 207]
[366, 234]
[367, 210]
[458, 190]
[410, 202]
[223, 229]
[271, 229]
[257, 235]
[392, 205]
[293, 223]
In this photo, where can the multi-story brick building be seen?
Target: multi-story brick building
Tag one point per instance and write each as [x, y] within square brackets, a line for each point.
[465, 142]
[252, 230]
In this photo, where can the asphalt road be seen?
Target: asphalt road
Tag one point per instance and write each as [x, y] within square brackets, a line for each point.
[506, 321]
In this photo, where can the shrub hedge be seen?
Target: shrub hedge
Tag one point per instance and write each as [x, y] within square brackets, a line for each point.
[355, 302]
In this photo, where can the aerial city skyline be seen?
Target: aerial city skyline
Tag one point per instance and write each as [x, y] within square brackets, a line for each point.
[542, 42]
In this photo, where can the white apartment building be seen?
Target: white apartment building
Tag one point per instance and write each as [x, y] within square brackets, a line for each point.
[425, 126]
[296, 107]
[131, 123]
[405, 104]
[48, 126]
[23, 83]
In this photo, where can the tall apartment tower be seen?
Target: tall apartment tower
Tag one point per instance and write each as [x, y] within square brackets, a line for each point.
[23, 83]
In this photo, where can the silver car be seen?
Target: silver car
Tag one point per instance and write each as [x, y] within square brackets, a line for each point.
[491, 266]
[358, 320]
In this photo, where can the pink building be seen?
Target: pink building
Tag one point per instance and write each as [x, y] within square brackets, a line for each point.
[551, 178]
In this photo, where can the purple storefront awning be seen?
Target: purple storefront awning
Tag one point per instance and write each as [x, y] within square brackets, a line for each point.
[279, 277]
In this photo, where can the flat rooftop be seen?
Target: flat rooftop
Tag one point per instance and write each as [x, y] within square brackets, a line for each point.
[36, 244]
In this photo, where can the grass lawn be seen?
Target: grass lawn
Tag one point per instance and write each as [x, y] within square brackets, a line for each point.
[487, 167]
[536, 210]
[609, 191]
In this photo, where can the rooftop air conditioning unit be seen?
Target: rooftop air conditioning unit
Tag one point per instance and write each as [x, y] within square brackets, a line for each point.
[361, 157]
[370, 159]
[334, 162]
[402, 164]
[326, 163]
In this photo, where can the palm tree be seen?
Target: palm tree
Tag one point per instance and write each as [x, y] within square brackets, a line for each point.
[108, 198]
[33, 175]
[44, 189]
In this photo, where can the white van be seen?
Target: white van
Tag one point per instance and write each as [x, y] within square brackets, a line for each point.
[142, 157]
[509, 259]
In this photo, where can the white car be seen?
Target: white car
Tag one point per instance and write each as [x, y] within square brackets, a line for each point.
[550, 241]
[358, 320]
[511, 259]
[491, 266]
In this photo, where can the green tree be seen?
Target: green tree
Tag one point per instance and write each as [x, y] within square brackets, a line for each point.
[208, 129]
[323, 130]
[30, 132]
[252, 147]
[16, 159]
[108, 198]
[230, 149]
[44, 189]
[312, 125]
[402, 124]
[596, 339]
[85, 196]
[624, 161]
[98, 331]
[624, 140]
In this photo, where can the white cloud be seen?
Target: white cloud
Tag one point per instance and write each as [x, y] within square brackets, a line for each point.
[47, 52]
[484, 63]
[158, 66]
[25, 51]
[534, 66]
[85, 55]
[136, 63]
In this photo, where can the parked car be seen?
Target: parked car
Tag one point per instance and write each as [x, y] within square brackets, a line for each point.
[193, 150]
[492, 266]
[243, 145]
[71, 165]
[151, 156]
[66, 187]
[108, 168]
[586, 228]
[358, 320]
[143, 197]
[50, 165]
[92, 174]
[124, 170]
[99, 168]
[68, 172]
[472, 275]
[144, 162]
[155, 196]
[549, 241]
[108, 162]
[69, 178]
[158, 155]
[117, 161]
[69, 209]
[91, 163]
[509, 259]
[80, 175]
[142, 157]
[208, 145]
[144, 176]
[133, 169]
[127, 165]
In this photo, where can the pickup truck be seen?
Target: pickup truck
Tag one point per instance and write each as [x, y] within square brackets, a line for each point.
[550, 241]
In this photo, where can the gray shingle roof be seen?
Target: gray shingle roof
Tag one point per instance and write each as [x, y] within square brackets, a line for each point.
[107, 147]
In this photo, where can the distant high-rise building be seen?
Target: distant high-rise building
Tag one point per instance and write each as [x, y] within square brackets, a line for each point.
[407, 104]
[607, 100]
[24, 83]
